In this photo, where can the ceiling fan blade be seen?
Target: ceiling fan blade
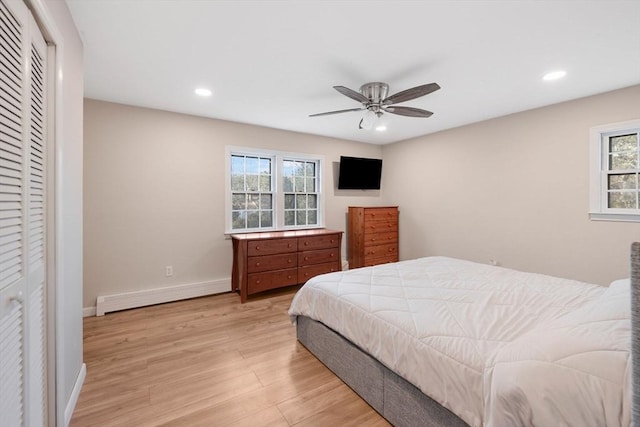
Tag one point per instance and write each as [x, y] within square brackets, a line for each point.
[336, 112]
[352, 94]
[408, 111]
[409, 94]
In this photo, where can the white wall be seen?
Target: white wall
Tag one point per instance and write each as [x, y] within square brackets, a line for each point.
[154, 194]
[514, 189]
[68, 203]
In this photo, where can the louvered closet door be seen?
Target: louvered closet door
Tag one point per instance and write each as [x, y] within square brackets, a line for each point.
[22, 218]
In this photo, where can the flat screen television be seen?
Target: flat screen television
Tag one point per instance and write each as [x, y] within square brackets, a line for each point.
[359, 173]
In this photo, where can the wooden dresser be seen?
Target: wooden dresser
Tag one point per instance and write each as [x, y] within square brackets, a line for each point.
[372, 235]
[263, 261]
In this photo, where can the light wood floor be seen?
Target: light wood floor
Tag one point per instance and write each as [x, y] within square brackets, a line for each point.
[210, 361]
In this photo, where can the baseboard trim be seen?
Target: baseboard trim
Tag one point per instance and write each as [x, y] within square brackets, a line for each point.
[75, 395]
[126, 300]
[88, 311]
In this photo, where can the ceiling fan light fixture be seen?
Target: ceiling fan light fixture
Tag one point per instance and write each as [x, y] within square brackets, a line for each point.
[368, 120]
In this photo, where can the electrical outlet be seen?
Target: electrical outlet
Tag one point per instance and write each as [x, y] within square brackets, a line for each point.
[168, 271]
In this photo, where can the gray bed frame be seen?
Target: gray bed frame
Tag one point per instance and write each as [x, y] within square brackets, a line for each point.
[400, 402]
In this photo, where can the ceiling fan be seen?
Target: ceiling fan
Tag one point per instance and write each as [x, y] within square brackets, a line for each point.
[375, 101]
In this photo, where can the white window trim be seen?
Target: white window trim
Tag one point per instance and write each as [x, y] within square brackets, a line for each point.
[598, 210]
[278, 193]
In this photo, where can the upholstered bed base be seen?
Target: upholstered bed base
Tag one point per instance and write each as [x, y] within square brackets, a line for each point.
[398, 401]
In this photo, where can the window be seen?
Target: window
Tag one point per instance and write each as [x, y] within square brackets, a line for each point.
[269, 190]
[615, 172]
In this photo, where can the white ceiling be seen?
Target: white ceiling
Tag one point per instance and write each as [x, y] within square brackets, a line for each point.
[272, 63]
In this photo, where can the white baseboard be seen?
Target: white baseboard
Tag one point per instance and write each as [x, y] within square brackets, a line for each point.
[75, 394]
[126, 300]
[88, 311]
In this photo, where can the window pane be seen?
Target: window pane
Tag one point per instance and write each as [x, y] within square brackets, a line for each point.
[238, 220]
[313, 217]
[252, 182]
[622, 181]
[253, 219]
[252, 165]
[311, 185]
[301, 201]
[238, 202]
[287, 184]
[265, 166]
[289, 218]
[253, 202]
[313, 201]
[301, 217]
[237, 182]
[266, 219]
[623, 161]
[237, 164]
[623, 143]
[299, 185]
[265, 201]
[289, 201]
[311, 169]
[265, 183]
[622, 200]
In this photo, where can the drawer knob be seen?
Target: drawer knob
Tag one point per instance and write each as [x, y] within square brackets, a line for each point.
[289, 277]
[306, 258]
[333, 240]
[290, 260]
[257, 281]
[289, 245]
[373, 239]
[257, 248]
[306, 243]
[332, 254]
[257, 264]
[306, 274]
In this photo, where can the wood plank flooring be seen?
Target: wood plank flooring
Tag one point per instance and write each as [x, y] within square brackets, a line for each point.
[210, 361]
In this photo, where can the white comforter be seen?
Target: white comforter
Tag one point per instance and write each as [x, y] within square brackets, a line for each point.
[496, 346]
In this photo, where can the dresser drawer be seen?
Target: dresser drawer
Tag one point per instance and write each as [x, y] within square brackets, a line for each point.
[318, 257]
[273, 246]
[318, 242]
[256, 264]
[258, 282]
[381, 250]
[380, 260]
[381, 226]
[306, 273]
[380, 238]
[381, 214]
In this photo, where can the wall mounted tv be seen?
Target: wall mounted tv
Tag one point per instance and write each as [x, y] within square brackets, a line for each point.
[359, 173]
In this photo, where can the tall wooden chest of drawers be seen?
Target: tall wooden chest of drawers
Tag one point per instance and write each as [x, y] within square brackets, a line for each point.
[372, 235]
[263, 261]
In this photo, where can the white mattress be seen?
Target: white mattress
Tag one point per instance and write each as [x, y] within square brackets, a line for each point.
[495, 346]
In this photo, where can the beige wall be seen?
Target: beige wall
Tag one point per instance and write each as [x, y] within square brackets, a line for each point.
[513, 189]
[154, 194]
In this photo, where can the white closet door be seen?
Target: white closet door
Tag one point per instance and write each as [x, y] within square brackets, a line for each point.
[22, 214]
[35, 216]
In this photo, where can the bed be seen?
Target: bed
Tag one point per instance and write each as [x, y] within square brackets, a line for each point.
[445, 342]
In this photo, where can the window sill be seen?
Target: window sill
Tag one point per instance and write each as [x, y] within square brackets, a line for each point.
[617, 217]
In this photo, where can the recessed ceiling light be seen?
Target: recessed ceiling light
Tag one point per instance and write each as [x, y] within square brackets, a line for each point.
[201, 91]
[554, 75]
[381, 128]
